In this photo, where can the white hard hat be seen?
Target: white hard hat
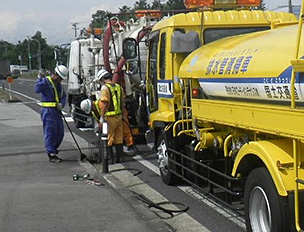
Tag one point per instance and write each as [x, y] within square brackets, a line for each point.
[86, 105]
[103, 74]
[62, 71]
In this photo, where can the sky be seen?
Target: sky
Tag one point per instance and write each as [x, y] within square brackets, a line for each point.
[54, 18]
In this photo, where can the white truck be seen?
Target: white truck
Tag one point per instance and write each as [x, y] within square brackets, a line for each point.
[88, 55]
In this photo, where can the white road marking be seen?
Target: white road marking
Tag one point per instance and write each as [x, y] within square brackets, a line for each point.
[35, 101]
[86, 129]
[68, 119]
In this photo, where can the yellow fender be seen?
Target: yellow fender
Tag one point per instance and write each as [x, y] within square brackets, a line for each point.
[270, 153]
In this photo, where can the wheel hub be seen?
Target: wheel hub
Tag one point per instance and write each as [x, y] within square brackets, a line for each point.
[259, 210]
[162, 157]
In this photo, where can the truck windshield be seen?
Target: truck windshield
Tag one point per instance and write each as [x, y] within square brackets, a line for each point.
[213, 34]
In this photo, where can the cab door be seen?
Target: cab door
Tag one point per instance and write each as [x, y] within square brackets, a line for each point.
[152, 99]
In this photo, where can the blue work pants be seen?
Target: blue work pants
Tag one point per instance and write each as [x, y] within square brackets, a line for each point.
[53, 129]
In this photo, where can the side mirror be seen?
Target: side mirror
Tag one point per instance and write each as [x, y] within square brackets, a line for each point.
[129, 47]
[58, 56]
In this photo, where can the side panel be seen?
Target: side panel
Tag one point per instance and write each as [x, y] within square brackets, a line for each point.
[81, 64]
[74, 62]
[272, 119]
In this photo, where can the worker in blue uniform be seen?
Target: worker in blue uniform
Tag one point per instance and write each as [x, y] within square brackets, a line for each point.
[53, 99]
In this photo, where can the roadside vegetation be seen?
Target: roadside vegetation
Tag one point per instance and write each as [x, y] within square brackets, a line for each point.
[6, 97]
[20, 54]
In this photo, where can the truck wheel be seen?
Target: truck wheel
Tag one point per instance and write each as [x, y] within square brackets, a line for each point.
[163, 161]
[265, 209]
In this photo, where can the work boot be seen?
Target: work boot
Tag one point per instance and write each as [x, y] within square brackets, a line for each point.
[53, 158]
[110, 154]
[131, 149]
[119, 153]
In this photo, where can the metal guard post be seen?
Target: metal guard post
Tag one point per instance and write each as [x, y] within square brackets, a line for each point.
[104, 142]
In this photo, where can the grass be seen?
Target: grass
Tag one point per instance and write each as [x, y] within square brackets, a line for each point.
[4, 93]
[6, 97]
[29, 76]
[32, 75]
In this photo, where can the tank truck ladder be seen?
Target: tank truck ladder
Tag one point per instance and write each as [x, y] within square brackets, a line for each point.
[298, 66]
[185, 113]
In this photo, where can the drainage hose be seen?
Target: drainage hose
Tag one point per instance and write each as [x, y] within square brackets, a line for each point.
[159, 205]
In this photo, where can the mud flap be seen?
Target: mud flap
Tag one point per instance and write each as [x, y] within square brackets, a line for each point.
[150, 139]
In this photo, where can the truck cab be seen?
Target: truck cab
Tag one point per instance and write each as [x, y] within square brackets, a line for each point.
[173, 39]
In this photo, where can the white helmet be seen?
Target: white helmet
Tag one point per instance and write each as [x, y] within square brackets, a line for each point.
[103, 74]
[86, 105]
[62, 71]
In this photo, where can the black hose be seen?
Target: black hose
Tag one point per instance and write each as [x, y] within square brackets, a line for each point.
[82, 155]
[128, 169]
[159, 206]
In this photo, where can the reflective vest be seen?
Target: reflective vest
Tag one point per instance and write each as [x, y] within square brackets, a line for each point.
[96, 111]
[116, 95]
[52, 104]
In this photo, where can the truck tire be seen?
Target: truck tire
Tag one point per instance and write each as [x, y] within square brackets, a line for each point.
[265, 209]
[162, 159]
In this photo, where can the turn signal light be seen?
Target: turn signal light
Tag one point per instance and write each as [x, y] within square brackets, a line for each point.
[248, 2]
[97, 31]
[220, 3]
[195, 92]
[197, 3]
[156, 14]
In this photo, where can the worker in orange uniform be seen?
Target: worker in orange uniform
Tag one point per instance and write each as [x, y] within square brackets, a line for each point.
[127, 135]
[111, 108]
[91, 107]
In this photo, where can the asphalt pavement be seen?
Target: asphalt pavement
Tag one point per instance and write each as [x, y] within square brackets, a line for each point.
[36, 195]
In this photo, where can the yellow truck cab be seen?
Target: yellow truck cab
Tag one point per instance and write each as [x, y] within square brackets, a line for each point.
[225, 108]
[172, 39]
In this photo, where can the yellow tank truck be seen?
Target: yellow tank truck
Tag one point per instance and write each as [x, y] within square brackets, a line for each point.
[225, 96]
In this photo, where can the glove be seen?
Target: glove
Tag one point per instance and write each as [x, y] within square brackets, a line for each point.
[59, 106]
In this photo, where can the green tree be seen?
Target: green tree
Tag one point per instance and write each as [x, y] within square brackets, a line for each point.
[21, 51]
[8, 51]
[34, 48]
[141, 5]
[174, 5]
[125, 13]
[157, 5]
[100, 19]
[262, 5]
